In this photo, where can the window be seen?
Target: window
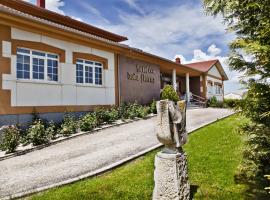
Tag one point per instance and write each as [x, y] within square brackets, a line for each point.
[36, 65]
[210, 87]
[218, 88]
[89, 72]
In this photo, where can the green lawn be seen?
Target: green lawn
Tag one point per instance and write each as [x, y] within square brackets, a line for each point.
[214, 153]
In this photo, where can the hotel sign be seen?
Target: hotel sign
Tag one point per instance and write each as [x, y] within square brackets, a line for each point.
[143, 74]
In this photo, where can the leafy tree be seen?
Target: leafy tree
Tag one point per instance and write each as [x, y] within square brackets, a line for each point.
[250, 53]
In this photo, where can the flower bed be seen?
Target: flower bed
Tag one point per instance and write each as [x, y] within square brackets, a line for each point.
[16, 141]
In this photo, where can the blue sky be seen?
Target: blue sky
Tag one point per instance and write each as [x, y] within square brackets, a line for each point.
[163, 27]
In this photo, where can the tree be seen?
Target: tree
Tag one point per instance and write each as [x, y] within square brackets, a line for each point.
[250, 53]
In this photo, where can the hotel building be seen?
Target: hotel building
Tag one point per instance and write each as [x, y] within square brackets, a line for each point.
[50, 64]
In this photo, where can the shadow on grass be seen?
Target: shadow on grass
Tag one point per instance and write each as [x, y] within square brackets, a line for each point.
[255, 190]
[193, 191]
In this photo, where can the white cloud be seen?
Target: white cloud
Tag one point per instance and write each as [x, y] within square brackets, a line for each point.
[134, 5]
[169, 30]
[213, 50]
[53, 5]
[91, 9]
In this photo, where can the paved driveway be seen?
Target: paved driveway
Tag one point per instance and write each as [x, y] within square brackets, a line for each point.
[79, 156]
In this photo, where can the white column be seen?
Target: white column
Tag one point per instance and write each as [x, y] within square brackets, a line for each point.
[174, 79]
[187, 87]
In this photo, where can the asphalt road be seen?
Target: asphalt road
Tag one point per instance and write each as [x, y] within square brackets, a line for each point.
[69, 159]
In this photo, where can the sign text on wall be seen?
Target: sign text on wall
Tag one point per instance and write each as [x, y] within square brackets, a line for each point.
[144, 74]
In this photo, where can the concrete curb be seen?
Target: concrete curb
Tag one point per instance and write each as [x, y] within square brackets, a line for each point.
[211, 122]
[106, 168]
[22, 152]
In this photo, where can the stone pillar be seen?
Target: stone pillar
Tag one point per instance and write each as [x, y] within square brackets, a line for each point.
[187, 87]
[171, 177]
[174, 79]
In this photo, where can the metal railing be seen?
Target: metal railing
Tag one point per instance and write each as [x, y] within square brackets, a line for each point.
[198, 99]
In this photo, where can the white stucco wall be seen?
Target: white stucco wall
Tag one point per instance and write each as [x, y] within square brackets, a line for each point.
[212, 91]
[64, 92]
[214, 72]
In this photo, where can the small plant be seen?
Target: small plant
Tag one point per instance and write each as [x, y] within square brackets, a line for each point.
[51, 130]
[37, 134]
[69, 125]
[88, 122]
[169, 93]
[122, 111]
[143, 111]
[11, 138]
[153, 107]
[213, 102]
[131, 111]
[106, 115]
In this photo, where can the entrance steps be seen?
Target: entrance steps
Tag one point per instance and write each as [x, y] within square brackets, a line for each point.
[195, 105]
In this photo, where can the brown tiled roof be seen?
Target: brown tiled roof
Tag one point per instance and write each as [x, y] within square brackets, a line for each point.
[203, 66]
[61, 19]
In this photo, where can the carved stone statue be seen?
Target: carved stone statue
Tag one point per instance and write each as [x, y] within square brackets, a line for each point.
[171, 124]
[171, 175]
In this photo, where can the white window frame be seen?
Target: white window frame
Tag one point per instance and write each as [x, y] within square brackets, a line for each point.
[84, 64]
[45, 58]
[218, 89]
[210, 87]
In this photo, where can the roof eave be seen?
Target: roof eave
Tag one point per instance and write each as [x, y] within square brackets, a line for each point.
[36, 11]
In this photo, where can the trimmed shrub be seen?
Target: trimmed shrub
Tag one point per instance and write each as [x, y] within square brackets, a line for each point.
[169, 93]
[10, 139]
[37, 134]
[69, 126]
[106, 115]
[88, 122]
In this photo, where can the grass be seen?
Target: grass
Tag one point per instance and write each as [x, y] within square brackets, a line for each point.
[214, 153]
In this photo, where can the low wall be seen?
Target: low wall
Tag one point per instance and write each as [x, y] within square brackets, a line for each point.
[26, 119]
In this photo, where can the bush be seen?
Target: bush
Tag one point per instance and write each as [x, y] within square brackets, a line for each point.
[232, 103]
[37, 133]
[88, 122]
[51, 130]
[153, 107]
[11, 139]
[143, 111]
[213, 102]
[135, 110]
[169, 93]
[122, 111]
[69, 125]
[106, 115]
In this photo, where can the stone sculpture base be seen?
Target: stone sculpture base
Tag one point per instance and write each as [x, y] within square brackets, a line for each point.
[171, 177]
